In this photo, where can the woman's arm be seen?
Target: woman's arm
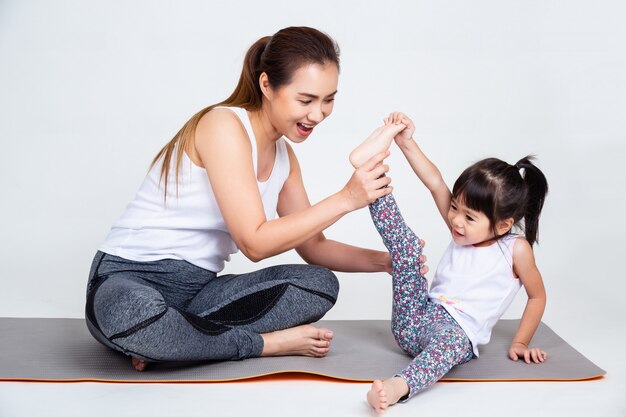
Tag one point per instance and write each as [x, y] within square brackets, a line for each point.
[525, 268]
[326, 252]
[223, 147]
[342, 257]
[321, 251]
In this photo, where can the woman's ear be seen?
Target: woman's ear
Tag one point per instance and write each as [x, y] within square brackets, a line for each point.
[504, 226]
[264, 83]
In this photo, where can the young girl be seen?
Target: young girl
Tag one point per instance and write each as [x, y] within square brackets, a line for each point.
[479, 274]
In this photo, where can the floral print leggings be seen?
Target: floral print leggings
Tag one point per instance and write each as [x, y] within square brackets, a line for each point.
[422, 329]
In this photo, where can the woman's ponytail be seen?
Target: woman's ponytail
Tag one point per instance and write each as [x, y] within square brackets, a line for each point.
[537, 187]
[248, 93]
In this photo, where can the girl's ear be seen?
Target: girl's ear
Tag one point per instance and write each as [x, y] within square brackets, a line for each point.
[504, 226]
[264, 83]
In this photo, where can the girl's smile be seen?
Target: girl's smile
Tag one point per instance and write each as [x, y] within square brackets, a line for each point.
[469, 227]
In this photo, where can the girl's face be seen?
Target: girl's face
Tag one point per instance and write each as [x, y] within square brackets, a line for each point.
[469, 227]
[472, 227]
[295, 109]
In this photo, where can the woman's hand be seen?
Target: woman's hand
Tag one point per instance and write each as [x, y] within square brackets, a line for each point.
[519, 350]
[423, 259]
[367, 183]
[398, 118]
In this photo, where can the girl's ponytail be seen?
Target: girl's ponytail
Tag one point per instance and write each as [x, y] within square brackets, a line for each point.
[537, 187]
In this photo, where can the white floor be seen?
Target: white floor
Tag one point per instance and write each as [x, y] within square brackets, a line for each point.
[303, 398]
[604, 397]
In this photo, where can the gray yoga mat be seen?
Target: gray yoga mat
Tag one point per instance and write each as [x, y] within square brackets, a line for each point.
[34, 349]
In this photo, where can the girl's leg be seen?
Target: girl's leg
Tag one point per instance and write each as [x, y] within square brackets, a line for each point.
[410, 288]
[443, 345]
[421, 328]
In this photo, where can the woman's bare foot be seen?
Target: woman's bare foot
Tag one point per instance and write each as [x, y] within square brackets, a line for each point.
[378, 141]
[386, 393]
[138, 364]
[305, 340]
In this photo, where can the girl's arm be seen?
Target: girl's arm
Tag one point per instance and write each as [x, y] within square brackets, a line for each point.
[525, 268]
[430, 175]
[426, 171]
[224, 149]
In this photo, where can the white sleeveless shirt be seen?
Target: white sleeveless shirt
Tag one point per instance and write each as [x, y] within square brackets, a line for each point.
[476, 285]
[188, 226]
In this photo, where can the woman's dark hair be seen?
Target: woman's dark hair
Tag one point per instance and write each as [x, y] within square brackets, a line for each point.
[279, 56]
[503, 191]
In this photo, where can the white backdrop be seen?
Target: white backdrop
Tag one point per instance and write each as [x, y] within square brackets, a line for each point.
[90, 91]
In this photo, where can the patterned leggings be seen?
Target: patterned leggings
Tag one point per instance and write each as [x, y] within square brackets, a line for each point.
[421, 328]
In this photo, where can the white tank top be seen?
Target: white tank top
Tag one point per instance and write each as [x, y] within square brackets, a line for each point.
[476, 286]
[188, 226]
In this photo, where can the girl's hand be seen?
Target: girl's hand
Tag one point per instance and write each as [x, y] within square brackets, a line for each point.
[519, 350]
[406, 135]
[367, 182]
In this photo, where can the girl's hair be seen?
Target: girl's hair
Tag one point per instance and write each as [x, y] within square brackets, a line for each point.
[503, 191]
[279, 56]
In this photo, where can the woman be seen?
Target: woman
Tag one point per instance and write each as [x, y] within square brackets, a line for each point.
[153, 290]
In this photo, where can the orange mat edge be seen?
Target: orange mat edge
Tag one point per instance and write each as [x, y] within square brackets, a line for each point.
[282, 375]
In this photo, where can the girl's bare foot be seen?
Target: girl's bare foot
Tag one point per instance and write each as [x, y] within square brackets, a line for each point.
[386, 393]
[378, 141]
[377, 397]
[138, 364]
[305, 340]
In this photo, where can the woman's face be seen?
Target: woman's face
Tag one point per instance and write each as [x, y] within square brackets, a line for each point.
[296, 108]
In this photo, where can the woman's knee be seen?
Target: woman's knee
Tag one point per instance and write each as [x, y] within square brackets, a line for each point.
[120, 304]
[311, 293]
[313, 278]
[327, 280]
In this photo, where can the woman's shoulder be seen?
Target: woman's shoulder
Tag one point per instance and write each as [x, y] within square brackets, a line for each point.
[221, 118]
[219, 123]
[220, 133]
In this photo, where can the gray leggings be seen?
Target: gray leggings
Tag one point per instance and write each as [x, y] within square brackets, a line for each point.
[171, 310]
